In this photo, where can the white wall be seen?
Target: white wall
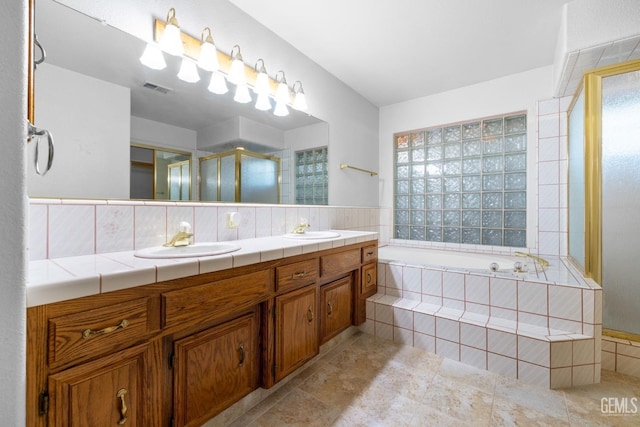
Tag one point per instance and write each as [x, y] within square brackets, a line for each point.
[89, 120]
[353, 121]
[505, 95]
[13, 250]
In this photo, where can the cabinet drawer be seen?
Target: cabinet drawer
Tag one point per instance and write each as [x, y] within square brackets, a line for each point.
[89, 333]
[295, 275]
[340, 262]
[369, 253]
[368, 282]
[215, 299]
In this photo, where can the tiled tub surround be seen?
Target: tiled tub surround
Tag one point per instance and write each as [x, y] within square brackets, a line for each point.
[542, 328]
[65, 227]
[621, 356]
[59, 279]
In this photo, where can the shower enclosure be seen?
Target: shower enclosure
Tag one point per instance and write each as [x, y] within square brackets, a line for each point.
[604, 185]
[240, 176]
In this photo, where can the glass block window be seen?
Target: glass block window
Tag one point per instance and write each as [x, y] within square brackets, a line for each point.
[312, 177]
[463, 183]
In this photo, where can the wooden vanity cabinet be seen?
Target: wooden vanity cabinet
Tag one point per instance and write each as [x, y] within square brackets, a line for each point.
[335, 307]
[181, 351]
[296, 324]
[113, 390]
[213, 369]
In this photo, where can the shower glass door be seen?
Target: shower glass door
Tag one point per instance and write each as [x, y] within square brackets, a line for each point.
[621, 201]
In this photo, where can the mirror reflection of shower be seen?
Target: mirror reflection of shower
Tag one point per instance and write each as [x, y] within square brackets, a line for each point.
[159, 174]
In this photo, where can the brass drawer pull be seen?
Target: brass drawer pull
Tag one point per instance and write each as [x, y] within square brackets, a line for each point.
[123, 406]
[329, 309]
[299, 275]
[368, 277]
[242, 355]
[88, 333]
[310, 314]
[370, 253]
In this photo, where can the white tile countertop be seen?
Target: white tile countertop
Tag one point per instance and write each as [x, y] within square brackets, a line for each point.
[60, 279]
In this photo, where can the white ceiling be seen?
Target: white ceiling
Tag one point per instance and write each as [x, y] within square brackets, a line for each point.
[391, 51]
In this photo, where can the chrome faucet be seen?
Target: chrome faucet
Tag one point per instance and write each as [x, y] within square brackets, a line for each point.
[182, 237]
[543, 262]
[302, 227]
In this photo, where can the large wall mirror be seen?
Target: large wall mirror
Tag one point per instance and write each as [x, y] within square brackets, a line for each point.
[96, 97]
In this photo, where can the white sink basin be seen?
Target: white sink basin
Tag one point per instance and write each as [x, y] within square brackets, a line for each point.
[196, 250]
[313, 235]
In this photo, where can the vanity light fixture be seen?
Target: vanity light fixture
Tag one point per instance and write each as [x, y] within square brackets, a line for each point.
[262, 79]
[188, 71]
[218, 84]
[236, 73]
[263, 103]
[171, 40]
[282, 95]
[299, 101]
[208, 58]
[152, 57]
[242, 94]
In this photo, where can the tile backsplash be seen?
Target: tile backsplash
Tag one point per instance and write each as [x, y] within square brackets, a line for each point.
[61, 228]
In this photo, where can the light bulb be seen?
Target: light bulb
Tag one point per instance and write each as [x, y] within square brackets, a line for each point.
[242, 94]
[282, 94]
[208, 59]
[263, 103]
[188, 71]
[171, 40]
[218, 85]
[262, 84]
[300, 102]
[152, 57]
[281, 109]
[236, 73]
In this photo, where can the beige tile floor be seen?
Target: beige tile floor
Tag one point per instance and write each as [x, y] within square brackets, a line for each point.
[364, 381]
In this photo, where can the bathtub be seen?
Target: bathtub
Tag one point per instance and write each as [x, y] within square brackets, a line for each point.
[464, 261]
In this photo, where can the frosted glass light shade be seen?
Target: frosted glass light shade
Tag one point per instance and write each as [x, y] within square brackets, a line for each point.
[300, 102]
[208, 59]
[236, 73]
[171, 42]
[188, 71]
[262, 84]
[281, 109]
[282, 94]
[263, 103]
[152, 57]
[242, 94]
[218, 84]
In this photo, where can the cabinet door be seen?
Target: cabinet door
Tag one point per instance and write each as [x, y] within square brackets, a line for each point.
[213, 369]
[335, 303]
[110, 391]
[296, 330]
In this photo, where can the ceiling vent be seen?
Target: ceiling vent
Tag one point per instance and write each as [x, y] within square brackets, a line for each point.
[157, 88]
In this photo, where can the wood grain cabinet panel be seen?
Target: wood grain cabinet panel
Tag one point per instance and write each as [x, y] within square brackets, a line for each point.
[213, 369]
[340, 262]
[335, 303]
[368, 285]
[90, 333]
[296, 275]
[369, 253]
[111, 391]
[218, 298]
[296, 329]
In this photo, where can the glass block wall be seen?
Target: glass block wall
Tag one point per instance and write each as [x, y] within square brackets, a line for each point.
[312, 177]
[463, 183]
